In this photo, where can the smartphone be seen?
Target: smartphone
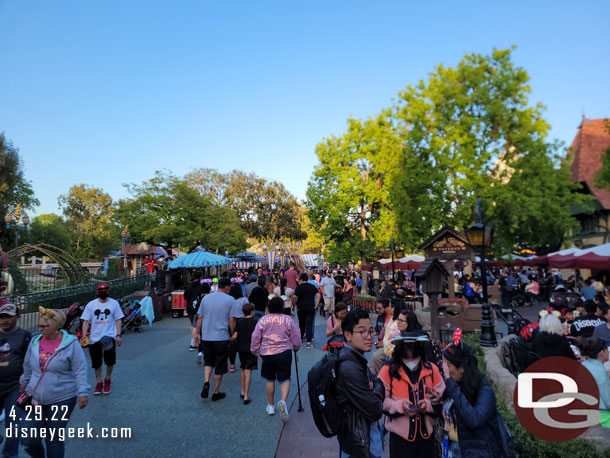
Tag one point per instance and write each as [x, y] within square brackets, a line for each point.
[413, 407]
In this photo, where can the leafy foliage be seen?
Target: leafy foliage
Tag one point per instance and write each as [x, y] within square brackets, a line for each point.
[50, 229]
[266, 209]
[168, 210]
[88, 212]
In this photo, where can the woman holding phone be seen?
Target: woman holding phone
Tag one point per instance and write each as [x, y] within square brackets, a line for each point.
[413, 389]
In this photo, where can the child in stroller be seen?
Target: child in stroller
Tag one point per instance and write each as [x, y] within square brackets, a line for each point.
[73, 322]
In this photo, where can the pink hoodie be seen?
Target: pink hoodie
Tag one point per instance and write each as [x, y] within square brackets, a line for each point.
[274, 334]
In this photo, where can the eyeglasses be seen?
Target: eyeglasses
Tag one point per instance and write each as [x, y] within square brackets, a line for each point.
[401, 320]
[365, 333]
[42, 326]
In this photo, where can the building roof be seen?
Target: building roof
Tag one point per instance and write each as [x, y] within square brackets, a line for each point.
[588, 147]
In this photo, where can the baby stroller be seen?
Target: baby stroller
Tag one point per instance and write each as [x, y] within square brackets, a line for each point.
[133, 316]
[334, 344]
[73, 322]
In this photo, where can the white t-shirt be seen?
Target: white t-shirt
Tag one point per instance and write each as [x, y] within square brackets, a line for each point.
[102, 317]
[288, 292]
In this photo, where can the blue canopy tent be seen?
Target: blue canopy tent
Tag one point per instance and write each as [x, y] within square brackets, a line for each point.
[199, 259]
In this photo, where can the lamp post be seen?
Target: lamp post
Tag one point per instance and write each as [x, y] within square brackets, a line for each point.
[479, 236]
[125, 236]
[13, 223]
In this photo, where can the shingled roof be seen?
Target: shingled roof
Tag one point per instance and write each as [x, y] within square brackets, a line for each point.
[588, 147]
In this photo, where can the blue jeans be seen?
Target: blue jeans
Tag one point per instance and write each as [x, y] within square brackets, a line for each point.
[56, 418]
[7, 401]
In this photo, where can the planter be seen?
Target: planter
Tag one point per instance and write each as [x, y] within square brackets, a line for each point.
[366, 303]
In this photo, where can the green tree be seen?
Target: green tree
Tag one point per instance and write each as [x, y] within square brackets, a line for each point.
[168, 210]
[266, 209]
[470, 132]
[347, 196]
[88, 212]
[15, 191]
[602, 177]
[50, 229]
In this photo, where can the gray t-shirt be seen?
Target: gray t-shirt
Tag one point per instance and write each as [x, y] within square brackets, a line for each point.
[13, 346]
[328, 286]
[216, 309]
[602, 332]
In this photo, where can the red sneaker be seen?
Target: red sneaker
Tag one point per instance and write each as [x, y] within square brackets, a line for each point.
[107, 383]
[98, 388]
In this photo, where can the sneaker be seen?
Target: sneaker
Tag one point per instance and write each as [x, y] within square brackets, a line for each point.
[98, 388]
[270, 409]
[309, 345]
[192, 348]
[247, 401]
[206, 390]
[199, 358]
[107, 384]
[218, 396]
[283, 410]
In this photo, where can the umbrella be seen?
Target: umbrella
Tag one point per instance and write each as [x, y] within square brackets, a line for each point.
[199, 259]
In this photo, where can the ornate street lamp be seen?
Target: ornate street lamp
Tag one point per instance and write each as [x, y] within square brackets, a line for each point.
[12, 223]
[479, 236]
[125, 236]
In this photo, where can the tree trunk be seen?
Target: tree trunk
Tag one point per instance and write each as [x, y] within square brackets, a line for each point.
[364, 289]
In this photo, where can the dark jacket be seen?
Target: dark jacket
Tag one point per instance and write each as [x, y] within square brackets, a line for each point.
[192, 293]
[362, 405]
[477, 426]
[547, 344]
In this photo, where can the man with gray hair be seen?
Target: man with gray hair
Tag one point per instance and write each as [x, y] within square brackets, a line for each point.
[14, 343]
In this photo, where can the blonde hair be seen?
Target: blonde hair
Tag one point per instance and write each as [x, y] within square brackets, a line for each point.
[56, 316]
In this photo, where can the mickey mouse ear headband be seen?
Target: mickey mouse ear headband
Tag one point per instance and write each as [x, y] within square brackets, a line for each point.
[457, 337]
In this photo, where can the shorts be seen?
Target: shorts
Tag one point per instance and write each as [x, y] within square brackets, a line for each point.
[329, 304]
[193, 320]
[277, 367]
[96, 353]
[247, 361]
[215, 354]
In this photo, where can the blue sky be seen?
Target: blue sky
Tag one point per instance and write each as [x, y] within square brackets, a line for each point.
[105, 93]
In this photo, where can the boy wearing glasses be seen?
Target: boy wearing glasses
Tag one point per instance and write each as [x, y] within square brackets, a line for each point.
[359, 392]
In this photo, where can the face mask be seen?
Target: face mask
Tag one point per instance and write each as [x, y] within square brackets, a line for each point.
[102, 295]
[412, 365]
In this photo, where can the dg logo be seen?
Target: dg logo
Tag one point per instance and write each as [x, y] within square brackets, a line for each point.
[556, 399]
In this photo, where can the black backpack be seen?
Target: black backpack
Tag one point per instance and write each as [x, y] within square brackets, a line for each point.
[321, 386]
[518, 354]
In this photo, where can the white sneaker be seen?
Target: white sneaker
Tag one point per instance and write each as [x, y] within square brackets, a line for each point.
[283, 410]
[270, 409]
[199, 358]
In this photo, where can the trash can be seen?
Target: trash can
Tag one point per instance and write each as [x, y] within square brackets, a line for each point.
[178, 304]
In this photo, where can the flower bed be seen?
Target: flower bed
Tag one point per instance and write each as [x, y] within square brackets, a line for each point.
[366, 303]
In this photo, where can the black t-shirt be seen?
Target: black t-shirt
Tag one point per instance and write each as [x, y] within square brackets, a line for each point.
[259, 298]
[306, 296]
[13, 346]
[583, 326]
[245, 328]
[192, 296]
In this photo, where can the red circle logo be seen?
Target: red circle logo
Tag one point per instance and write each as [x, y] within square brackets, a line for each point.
[556, 399]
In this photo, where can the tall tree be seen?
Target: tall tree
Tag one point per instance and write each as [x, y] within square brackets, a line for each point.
[15, 190]
[168, 210]
[470, 132]
[50, 229]
[88, 211]
[266, 209]
[347, 195]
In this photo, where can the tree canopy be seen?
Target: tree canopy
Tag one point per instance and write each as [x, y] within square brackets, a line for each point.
[168, 210]
[465, 132]
[266, 209]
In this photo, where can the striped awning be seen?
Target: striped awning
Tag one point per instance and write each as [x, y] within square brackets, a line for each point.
[199, 259]
[311, 260]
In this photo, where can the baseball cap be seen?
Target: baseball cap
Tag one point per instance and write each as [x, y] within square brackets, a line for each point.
[103, 287]
[7, 308]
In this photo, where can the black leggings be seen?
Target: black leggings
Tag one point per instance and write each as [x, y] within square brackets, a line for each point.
[306, 318]
[232, 352]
